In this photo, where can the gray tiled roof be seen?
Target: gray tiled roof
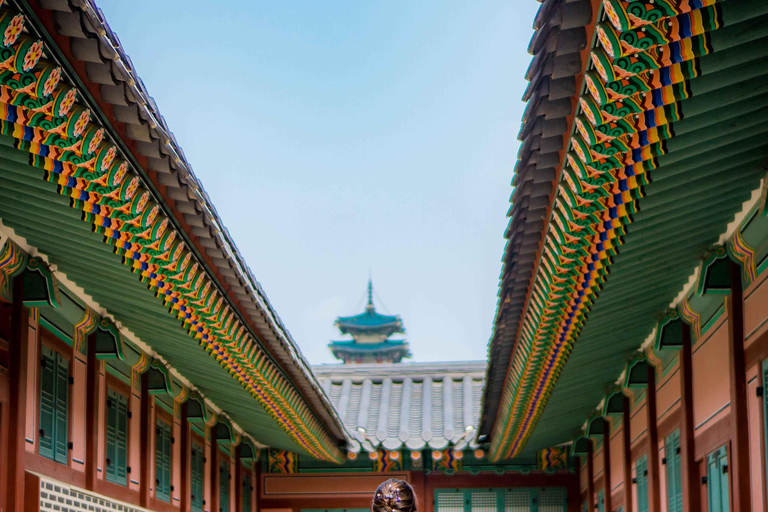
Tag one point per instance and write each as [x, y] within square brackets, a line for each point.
[406, 405]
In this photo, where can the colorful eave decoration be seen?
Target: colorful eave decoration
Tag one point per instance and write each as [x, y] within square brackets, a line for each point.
[48, 119]
[643, 58]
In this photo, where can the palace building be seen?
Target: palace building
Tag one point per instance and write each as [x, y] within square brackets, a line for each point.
[142, 367]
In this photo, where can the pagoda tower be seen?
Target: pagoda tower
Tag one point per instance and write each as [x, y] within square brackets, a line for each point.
[370, 333]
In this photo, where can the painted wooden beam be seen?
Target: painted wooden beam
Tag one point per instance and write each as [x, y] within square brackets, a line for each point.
[607, 464]
[626, 446]
[740, 435]
[654, 480]
[17, 414]
[689, 468]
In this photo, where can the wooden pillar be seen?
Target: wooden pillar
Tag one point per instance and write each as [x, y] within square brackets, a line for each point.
[91, 414]
[626, 446]
[654, 480]
[17, 414]
[214, 471]
[146, 444]
[573, 495]
[689, 468]
[607, 464]
[184, 463]
[256, 479]
[739, 433]
[238, 480]
[590, 475]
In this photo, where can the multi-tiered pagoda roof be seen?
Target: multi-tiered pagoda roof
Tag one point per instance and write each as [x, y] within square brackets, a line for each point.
[370, 333]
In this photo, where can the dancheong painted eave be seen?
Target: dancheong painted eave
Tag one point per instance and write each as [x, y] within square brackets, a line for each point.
[663, 146]
[77, 109]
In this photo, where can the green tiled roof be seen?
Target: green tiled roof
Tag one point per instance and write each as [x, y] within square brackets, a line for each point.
[369, 321]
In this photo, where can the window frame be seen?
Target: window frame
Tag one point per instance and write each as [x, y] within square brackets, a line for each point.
[642, 507]
[114, 384]
[47, 340]
[197, 439]
[222, 459]
[163, 416]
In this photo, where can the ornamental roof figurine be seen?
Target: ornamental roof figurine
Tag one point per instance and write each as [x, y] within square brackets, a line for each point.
[370, 333]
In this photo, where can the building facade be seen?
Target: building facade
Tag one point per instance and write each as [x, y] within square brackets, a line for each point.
[143, 368]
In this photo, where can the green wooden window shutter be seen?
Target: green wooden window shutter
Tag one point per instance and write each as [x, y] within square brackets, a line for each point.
[47, 402]
[246, 494]
[224, 486]
[117, 438]
[717, 481]
[61, 445]
[600, 501]
[674, 477]
[196, 477]
[641, 472]
[162, 461]
[54, 406]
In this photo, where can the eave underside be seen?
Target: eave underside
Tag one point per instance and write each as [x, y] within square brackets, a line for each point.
[37, 212]
[710, 166]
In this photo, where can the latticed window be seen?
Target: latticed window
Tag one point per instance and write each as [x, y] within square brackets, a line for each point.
[717, 480]
[196, 477]
[547, 499]
[117, 437]
[54, 406]
[674, 477]
[224, 477]
[641, 481]
[162, 460]
[246, 492]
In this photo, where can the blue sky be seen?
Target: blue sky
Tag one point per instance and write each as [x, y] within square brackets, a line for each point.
[337, 137]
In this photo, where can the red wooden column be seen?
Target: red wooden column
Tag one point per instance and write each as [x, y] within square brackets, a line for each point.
[17, 415]
[654, 481]
[607, 464]
[146, 442]
[256, 479]
[573, 490]
[92, 416]
[238, 480]
[214, 467]
[688, 466]
[626, 446]
[184, 463]
[590, 475]
[742, 499]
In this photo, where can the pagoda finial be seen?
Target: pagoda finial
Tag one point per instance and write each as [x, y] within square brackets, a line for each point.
[369, 307]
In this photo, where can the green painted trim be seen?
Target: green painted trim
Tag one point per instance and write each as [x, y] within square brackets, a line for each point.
[55, 331]
[712, 321]
[164, 406]
[125, 379]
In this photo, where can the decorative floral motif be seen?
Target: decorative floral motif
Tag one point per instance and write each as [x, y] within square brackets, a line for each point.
[82, 122]
[32, 56]
[67, 103]
[52, 82]
[13, 30]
